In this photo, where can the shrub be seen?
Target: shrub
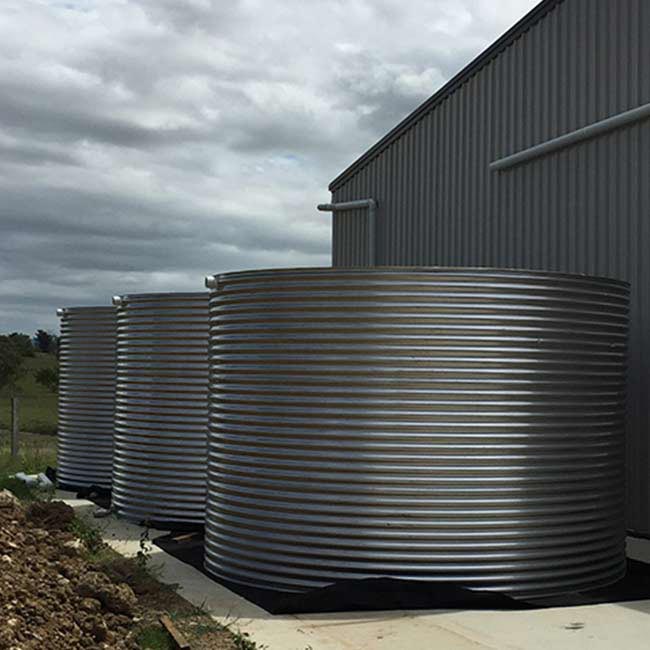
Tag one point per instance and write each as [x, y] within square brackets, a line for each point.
[48, 377]
[10, 361]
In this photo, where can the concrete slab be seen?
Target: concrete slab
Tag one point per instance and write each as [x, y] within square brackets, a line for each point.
[594, 627]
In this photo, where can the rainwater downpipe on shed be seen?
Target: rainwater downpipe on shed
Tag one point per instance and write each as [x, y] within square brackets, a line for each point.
[371, 205]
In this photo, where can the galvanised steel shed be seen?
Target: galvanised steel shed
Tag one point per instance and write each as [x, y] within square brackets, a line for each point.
[537, 155]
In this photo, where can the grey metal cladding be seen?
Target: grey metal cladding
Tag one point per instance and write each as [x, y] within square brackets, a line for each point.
[86, 396]
[161, 408]
[427, 424]
[582, 209]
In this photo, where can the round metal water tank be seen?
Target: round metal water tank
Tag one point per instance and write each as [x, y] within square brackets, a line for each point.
[161, 409]
[461, 425]
[86, 396]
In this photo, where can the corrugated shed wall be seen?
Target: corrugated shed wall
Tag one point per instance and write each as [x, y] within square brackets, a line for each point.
[583, 209]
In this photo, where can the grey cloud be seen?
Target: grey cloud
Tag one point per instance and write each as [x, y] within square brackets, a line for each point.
[195, 14]
[33, 155]
[146, 144]
[365, 83]
[37, 111]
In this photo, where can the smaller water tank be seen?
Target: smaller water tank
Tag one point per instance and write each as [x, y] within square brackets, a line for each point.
[86, 396]
[161, 413]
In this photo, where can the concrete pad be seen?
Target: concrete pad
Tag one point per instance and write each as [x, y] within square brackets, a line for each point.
[594, 627]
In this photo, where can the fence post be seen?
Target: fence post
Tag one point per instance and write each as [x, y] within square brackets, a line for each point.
[14, 427]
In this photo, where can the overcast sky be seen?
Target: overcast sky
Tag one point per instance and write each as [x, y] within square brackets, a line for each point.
[145, 144]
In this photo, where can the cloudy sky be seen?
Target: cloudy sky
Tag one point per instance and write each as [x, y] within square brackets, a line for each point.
[144, 144]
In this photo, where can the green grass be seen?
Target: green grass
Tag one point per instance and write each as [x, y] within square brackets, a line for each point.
[154, 638]
[37, 415]
[37, 404]
[23, 492]
[90, 536]
[243, 642]
[36, 452]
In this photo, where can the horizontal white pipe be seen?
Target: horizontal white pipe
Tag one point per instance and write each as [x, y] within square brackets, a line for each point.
[585, 133]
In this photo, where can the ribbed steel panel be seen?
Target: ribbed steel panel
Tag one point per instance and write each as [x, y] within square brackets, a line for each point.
[583, 209]
[427, 424]
[86, 396]
[161, 410]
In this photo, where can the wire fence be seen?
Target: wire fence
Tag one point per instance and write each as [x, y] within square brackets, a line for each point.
[32, 446]
[36, 413]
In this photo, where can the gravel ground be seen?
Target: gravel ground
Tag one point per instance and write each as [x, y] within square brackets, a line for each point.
[55, 594]
[50, 597]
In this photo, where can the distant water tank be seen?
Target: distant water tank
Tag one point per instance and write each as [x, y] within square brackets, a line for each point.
[161, 411]
[461, 425]
[86, 396]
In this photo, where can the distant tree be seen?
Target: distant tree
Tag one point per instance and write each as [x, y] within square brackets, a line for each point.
[48, 377]
[23, 344]
[54, 346]
[10, 360]
[45, 342]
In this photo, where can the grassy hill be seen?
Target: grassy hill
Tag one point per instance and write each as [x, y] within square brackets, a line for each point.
[37, 404]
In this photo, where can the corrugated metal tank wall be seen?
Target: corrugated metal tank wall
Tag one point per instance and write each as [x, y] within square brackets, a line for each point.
[430, 424]
[161, 408]
[86, 396]
[583, 209]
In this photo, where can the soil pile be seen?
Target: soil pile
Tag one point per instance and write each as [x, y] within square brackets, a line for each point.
[50, 597]
[50, 515]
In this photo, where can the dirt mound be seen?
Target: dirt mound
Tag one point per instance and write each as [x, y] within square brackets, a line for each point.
[118, 599]
[7, 499]
[50, 515]
[50, 597]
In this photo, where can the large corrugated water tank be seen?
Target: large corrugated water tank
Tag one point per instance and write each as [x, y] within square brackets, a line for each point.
[86, 396]
[161, 409]
[462, 425]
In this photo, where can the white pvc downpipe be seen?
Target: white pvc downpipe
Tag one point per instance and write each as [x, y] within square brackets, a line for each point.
[371, 205]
